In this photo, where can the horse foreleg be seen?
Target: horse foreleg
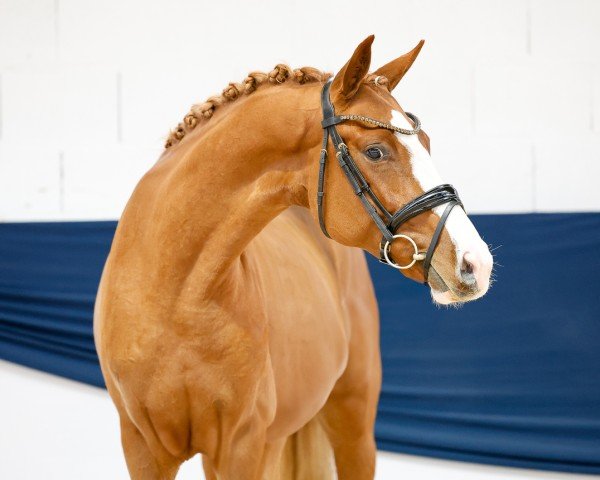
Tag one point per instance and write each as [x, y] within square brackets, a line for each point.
[350, 431]
[244, 453]
[349, 414]
[209, 469]
[141, 462]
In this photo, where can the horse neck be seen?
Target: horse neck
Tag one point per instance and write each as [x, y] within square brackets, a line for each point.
[219, 188]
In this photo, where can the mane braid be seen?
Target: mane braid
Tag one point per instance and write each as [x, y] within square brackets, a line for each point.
[279, 75]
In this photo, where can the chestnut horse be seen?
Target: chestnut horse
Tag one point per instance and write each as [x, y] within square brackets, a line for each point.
[226, 323]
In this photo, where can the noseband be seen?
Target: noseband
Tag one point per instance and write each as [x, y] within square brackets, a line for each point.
[387, 223]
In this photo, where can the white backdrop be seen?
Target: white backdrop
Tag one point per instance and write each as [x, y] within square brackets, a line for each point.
[509, 91]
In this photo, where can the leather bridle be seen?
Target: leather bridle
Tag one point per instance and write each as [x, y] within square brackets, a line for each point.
[390, 223]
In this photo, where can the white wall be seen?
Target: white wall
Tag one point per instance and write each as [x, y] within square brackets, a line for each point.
[56, 429]
[509, 90]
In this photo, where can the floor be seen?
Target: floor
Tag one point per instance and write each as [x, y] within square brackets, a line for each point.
[54, 428]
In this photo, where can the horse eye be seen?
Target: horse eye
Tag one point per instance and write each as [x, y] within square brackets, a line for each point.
[374, 153]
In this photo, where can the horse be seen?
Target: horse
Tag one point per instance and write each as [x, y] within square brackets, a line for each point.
[227, 323]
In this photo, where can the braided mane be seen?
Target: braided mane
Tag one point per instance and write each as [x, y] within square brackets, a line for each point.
[280, 74]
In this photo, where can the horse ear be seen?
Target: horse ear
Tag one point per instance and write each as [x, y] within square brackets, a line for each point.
[395, 70]
[349, 78]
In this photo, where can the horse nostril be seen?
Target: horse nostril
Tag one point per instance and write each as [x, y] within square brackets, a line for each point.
[467, 271]
[467, 267]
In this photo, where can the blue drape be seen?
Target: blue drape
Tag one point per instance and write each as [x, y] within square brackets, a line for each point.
[512, 379]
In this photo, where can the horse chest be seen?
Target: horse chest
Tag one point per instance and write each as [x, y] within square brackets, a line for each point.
[308, 350]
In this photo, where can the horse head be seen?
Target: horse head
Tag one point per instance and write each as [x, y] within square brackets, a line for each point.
[385, 156]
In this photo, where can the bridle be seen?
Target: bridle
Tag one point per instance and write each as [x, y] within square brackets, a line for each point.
[390, 223]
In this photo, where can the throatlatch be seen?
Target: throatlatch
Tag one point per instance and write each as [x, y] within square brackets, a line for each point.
[390, 223]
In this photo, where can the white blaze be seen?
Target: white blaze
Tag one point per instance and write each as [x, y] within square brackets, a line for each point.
[462, 232]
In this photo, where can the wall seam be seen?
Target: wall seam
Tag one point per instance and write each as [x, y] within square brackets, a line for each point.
[592, 98]
[61, 181]
[528, 40]
[56, 29]
[119, 119]
[533, 179]
[1, 109]
[473, 98]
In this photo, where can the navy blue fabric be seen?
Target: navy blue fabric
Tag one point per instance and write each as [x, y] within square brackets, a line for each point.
[49, 274]
[513, 379]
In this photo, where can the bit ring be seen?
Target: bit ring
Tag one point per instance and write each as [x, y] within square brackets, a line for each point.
[416, 256]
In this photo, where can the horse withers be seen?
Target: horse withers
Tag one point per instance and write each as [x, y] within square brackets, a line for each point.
[226, 322]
